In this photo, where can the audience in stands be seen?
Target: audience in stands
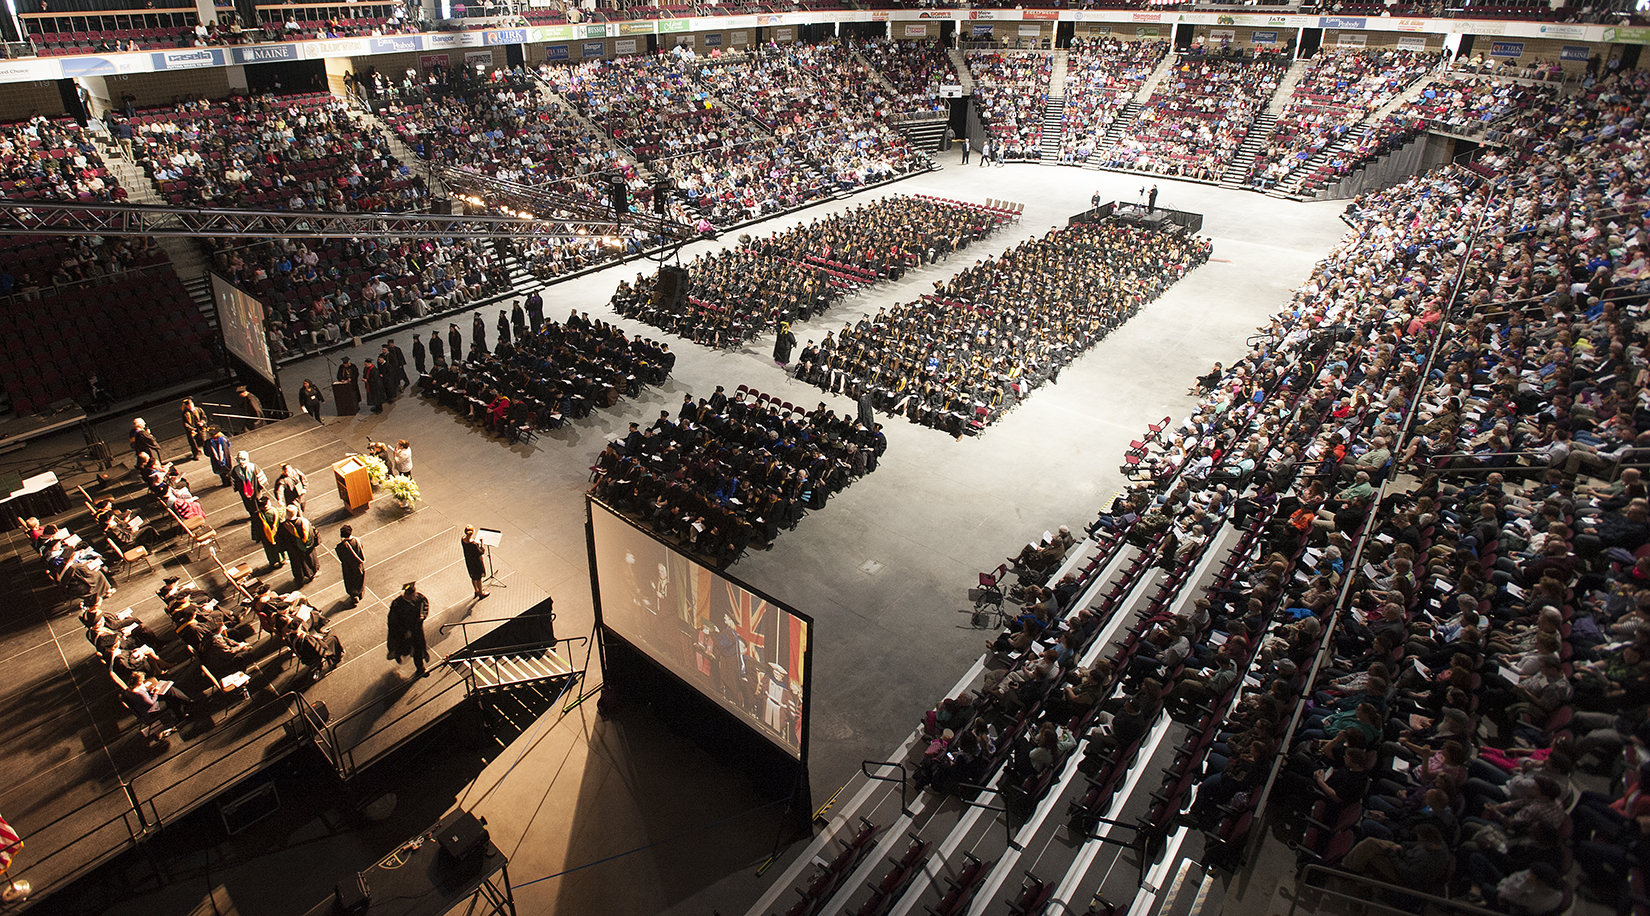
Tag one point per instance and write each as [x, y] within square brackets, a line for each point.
[1011, 88]
[1340, 88]
[1102, 76]
[1197, 117]
[916, 68]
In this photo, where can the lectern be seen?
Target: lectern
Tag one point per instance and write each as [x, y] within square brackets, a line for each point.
[354, 486]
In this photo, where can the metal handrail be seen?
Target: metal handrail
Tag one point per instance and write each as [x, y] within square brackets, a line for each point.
[464, 623]
[1375, 884]
[133, 835]
[1342, 599]
[322, 728]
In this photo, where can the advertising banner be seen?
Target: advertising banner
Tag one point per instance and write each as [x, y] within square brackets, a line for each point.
[556, 52]
[1575, 52]
[1506, 49]
[189, 59]
[1263, 38]
[265, 54]
[624, 46]
[591, 49]
[1411, 43]
[474, 59]
[916, 30]
[432, 61]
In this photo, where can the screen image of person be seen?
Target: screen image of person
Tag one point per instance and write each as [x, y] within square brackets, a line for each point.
[731, 645]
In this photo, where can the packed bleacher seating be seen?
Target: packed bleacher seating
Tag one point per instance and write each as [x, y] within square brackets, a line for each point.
[501, 127]
[958, 359]
[1340, 88]
[56, 293]
[724, 167]
[1469, 105]
[1196, 119]
[736, 293]
[299, 152]
[557, 371]
[1488, 657]
[917, 68]
[1011, 87]
[1102, 76]
[317, 294]
[822, 104]
[728, 472]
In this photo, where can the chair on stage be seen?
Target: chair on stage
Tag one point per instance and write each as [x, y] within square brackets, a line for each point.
[129, 556]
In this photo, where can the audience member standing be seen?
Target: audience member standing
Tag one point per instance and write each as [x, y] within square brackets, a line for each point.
[401, 459]
[352, 561]
[406, 627]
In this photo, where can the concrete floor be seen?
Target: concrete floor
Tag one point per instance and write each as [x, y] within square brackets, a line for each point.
[573, 790]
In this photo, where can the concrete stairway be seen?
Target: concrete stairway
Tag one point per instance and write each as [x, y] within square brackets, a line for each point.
[1057, 74]
[1292, 184]
[875, 73]
[188, 258]
[1253, 142]
[1054, 125]
[963, 75]
[1286, 87]
[1163, 69]
[1114, 133]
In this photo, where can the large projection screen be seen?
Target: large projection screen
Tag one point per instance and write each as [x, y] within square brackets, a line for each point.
[746, 652]
[241, 321]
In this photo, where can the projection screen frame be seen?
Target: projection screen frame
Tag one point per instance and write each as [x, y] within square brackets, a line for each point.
[266, 371]
[805, 712]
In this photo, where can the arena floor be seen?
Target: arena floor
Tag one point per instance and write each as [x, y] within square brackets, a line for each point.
[883, 569]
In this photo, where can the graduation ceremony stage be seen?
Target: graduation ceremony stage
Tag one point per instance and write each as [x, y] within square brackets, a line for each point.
[85, 785]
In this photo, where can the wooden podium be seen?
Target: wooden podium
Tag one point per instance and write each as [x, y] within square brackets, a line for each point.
[354, 486]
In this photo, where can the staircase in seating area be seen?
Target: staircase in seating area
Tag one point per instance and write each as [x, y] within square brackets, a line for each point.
[188, 258]
[961, 66]
[1238, 169]
[924, 136]
[1286, 87]
[1292, 184]
[1114, 133]
[1054, 124]
[1054, 109]
[486, 673]
[875, 73]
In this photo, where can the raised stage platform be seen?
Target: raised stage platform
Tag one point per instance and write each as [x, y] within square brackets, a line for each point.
[84, 785]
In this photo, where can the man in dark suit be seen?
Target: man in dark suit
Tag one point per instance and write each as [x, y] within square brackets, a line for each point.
[351, 373]
[143, 440]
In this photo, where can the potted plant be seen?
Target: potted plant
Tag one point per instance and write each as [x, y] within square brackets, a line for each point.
[403, 489]
[377, 470]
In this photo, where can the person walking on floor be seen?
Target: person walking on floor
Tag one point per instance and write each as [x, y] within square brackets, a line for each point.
[266, 529]
[352, 561]
[298, 539]
[418, 354]
[965, 151]
[474, 559]
[250, 481]
[194, 425]
[784, 344]
[310, 399]
[406, 619]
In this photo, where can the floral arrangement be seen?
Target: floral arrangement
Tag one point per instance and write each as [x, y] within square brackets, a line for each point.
[377, 470]
[403, 489]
